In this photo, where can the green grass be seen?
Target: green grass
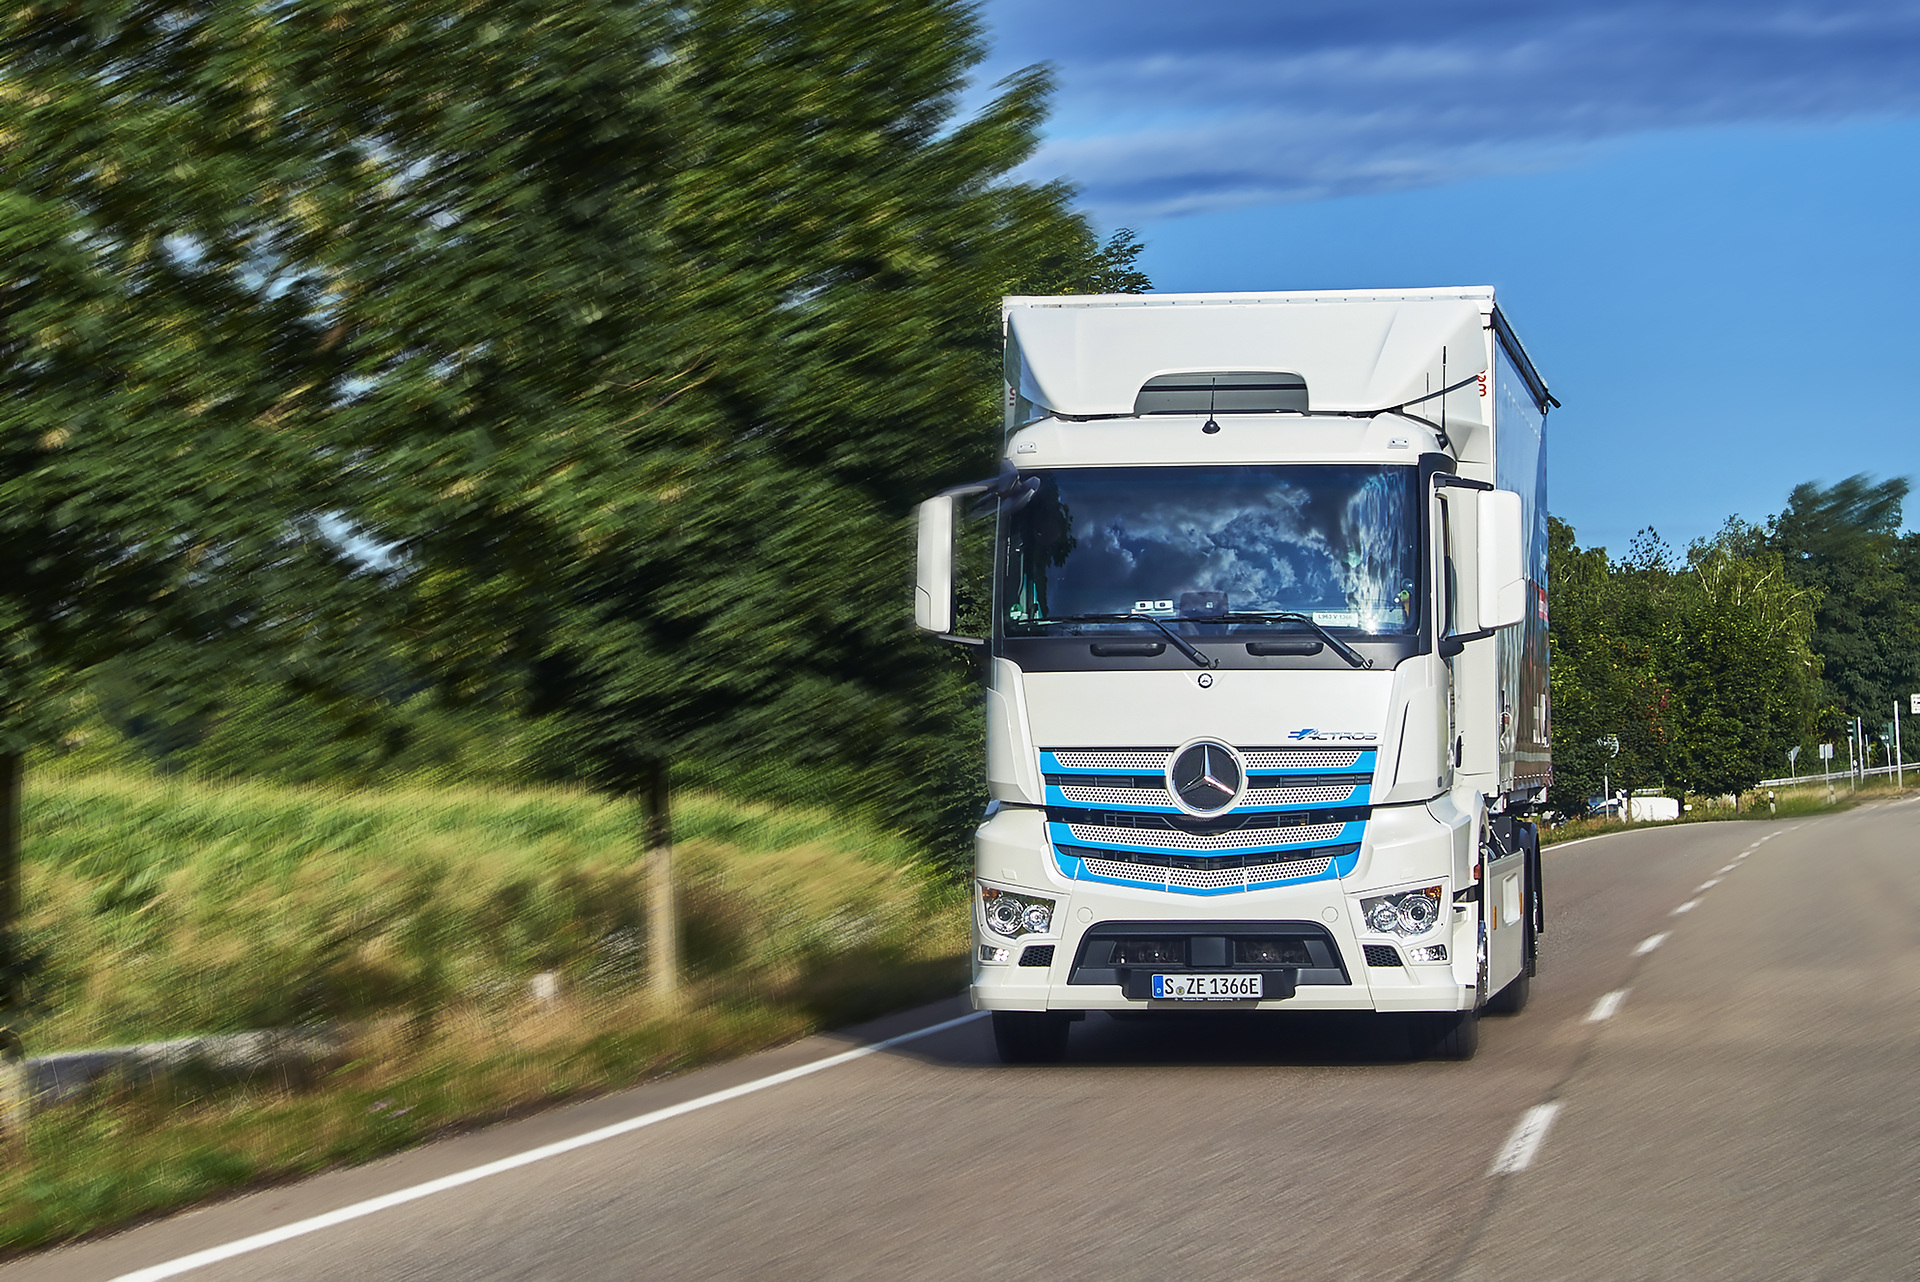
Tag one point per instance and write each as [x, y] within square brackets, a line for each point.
[415, 918]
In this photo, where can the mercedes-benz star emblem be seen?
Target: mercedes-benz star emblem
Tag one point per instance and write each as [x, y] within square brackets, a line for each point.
[1205, 777]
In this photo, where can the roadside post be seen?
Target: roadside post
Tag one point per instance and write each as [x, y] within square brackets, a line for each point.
[1610, 744]
[13, 1065]
[1792, 754]
[1826, 765]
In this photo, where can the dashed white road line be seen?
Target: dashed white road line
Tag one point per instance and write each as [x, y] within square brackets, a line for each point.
[1729, 868]
[1650, 943]
[1520, 1147]
[1687, 907]
[1708, 884]
[1607, 1006]
[300, 1228]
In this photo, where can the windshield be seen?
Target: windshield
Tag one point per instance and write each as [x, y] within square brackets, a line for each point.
[1338, 543]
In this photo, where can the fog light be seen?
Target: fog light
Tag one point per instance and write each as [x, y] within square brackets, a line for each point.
[1431, 953]
[988, 953]
[1006, 913]
[1407, 912]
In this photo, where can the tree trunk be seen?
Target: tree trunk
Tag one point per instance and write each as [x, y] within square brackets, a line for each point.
[13, 1116]
[663, 915]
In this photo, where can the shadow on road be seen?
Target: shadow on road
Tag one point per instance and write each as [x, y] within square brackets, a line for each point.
[1194, 1039]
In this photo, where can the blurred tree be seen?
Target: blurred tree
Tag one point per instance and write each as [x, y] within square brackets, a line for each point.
[632, 331]
[159, 355]
[677, 312]
[1844, 541]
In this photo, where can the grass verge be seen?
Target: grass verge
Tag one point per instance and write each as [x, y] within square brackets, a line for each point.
[415, 920]
[1789, 803]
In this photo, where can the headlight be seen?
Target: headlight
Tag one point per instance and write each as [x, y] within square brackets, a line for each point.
[1006, 913]
[1409, 912]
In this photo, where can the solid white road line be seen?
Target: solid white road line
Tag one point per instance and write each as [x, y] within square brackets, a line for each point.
[1649, 944]
[213, 1255]
[1607, 1006]
[1525, 1140]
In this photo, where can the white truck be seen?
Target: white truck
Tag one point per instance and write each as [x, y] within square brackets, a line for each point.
[1266, 676]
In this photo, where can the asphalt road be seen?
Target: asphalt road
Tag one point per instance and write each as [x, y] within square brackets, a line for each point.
[1737, 1100]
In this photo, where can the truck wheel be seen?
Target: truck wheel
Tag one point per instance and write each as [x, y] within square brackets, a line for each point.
[1030, 1037]
[1450, 1035]
[1512, 999]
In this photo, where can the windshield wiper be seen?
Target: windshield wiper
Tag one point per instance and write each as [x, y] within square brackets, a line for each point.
[1334, 643]
[1179, 642]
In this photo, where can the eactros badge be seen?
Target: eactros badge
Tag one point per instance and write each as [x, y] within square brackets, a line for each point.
[1206, 778]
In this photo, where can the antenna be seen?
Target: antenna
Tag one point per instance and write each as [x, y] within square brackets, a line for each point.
[1443, 397]
[1210, 427]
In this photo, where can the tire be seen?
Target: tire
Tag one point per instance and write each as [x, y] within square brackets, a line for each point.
[1512, 999]
[1451, 1035]
[1030, 1037]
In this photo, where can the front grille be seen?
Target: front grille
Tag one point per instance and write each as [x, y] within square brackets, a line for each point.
[1307, 791]
[1381, 954]
[1206, 879]
[1155, 759]
[1037, 955]
[1173, 839]
[1115, 796]
[1298, 759]
[1300, 796]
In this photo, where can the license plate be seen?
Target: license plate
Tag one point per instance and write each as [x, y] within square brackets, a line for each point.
[1207, 988]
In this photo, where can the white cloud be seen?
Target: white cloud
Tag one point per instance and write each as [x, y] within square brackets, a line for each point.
[1170, 109]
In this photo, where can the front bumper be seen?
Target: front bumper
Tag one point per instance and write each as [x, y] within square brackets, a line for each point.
[1315, 924]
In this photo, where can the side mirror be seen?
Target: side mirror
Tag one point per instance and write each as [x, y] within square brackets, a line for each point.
[933, 574]
[1502, 568]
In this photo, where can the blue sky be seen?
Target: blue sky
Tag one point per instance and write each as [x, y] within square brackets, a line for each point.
[1700, 217]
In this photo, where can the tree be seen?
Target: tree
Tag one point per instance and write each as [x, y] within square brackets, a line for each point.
[741, 318]
[1605, 676]
[1843, 541]
[1704, 672]
[1738, 657]
[632, 329]
[159, 356]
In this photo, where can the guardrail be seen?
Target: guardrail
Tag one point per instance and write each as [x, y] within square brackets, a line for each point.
[1831, 775]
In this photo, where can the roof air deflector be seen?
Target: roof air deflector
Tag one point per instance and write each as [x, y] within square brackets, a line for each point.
[1223, 392]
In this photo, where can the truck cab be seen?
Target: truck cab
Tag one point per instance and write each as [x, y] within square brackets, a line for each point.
[1266, 676]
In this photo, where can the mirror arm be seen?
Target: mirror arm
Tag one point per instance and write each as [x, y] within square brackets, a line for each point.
[1450, 646]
